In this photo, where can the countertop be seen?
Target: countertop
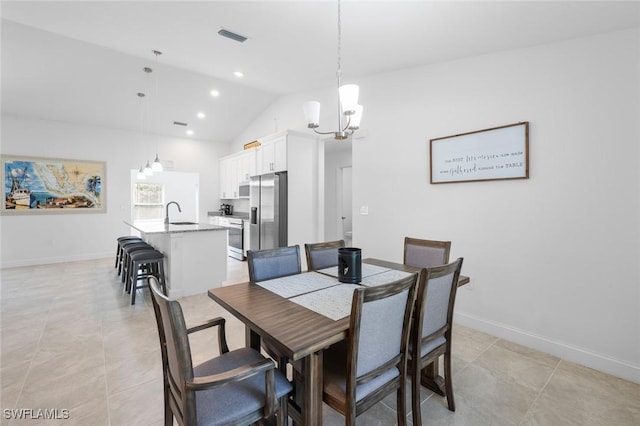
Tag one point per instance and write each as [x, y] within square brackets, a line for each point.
[158, 227]
[236, 215]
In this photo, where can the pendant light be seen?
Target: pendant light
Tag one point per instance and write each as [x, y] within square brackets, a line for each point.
[157, 165]
[147, 169]
[347, 102]
[141, 175]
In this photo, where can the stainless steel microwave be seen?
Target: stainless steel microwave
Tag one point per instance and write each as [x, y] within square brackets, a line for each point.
[243, 190]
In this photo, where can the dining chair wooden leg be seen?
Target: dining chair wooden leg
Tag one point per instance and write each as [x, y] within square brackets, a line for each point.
[283, 412]
[415, 394]
[401, 402]
[448, 382]
[168, 415]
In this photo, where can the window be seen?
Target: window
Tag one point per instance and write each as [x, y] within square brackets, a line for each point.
[148, 201]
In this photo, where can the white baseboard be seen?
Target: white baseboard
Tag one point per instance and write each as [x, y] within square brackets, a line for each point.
[560, 349]
[57, 259]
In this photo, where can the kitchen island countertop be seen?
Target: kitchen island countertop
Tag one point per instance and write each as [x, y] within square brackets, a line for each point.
[193, 260]
[158, 227]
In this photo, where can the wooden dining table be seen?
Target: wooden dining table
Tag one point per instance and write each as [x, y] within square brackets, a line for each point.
[296, 332]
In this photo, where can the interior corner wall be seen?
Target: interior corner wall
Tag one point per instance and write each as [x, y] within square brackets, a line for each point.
[52, 238]
[554, 259]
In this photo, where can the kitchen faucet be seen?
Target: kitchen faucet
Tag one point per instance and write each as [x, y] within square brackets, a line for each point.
[166, 217]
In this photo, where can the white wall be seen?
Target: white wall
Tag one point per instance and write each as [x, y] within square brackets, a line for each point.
[555, 259]
[40, 239]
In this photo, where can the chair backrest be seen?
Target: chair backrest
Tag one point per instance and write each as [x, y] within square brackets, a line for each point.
[379, 332]
[273, 263]
[322, 255]
[176, 354]
[435, 301]
[426, 253]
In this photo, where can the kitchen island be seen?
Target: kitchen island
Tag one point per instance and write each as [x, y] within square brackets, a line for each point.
[195, 254]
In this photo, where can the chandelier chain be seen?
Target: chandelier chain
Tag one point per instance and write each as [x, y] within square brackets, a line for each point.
[339, 72]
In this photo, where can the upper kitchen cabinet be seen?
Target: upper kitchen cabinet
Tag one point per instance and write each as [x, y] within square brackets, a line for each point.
[246, 165]
[235, 169]
[226, 177]
[272, 154]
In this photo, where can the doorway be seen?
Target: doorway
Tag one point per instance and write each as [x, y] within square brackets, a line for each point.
[344, 203]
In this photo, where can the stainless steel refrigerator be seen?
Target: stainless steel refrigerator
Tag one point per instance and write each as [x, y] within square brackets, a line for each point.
[268, 211]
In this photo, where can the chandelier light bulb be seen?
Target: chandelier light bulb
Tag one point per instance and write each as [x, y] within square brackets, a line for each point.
[147, 170]
[349, 98]
[354, 123]
[312, 113]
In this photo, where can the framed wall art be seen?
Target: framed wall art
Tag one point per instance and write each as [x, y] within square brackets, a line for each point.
[489, 154]
[34, 185]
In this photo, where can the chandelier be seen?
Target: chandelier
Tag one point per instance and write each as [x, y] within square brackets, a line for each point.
[348, 108]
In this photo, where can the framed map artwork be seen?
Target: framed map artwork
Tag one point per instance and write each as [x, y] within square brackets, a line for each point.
[34, 185]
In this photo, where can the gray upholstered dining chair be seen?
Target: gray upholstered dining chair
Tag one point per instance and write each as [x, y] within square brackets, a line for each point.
[273, 263]
[269, 264]
[372, 362]
[431, 331]
[238, 387]
[425, 253]
[322, 255]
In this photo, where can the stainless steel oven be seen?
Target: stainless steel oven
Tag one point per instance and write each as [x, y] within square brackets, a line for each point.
[235, 248]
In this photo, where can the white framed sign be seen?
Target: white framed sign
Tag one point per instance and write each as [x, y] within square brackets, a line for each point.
[489, 154]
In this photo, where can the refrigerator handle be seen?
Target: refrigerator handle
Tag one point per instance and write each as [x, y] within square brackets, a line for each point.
[254, 215]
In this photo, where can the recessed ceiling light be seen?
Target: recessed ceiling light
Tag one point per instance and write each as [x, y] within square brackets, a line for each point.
[238, 74]
[190, 132]
[201, 115]
[215, 93]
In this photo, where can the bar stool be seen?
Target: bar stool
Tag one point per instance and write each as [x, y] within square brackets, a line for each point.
[127, 268]
[121, 241]
[124, 260]
[142, 264]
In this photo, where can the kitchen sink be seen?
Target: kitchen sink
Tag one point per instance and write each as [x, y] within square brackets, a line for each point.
[182, 223]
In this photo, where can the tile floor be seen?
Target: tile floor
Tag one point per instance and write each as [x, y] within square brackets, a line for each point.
[71, 341]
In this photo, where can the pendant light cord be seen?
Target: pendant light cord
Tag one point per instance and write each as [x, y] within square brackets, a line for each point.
[339, 71]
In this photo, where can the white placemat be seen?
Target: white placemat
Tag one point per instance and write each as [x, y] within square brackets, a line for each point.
[367, 270]
[294, 285]
[383, 278]
[333, 302]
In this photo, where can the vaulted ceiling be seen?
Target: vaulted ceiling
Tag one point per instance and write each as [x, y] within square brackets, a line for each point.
[83, 62]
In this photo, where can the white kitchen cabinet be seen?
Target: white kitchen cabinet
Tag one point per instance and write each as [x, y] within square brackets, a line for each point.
[272, 154]
[234, 169]
[246, 165]
[227, 167]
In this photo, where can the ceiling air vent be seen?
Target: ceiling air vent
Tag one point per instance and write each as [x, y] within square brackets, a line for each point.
[179, 123]
[232, 36]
